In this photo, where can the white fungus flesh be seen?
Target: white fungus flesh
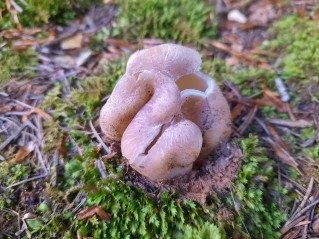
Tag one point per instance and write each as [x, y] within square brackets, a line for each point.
[166, 113]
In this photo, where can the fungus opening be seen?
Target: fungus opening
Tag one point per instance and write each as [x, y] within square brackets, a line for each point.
[192, 81]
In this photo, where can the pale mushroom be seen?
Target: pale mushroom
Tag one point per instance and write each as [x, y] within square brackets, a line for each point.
[204, 104]
[165, 112]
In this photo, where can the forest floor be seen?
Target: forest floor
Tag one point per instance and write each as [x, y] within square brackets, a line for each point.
[59, 61]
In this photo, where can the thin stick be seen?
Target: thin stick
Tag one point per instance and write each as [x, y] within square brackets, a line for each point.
[287, 227]
[76, 146]
[97, 136]
[13, 136]
[308, 192]
[302, 211]
[23, 104]
[26, 180]
[101, 167]
[236, 208]
[40, 158]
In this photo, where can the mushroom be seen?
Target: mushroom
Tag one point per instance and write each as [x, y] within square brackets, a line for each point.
[166, 113]
[204, 104]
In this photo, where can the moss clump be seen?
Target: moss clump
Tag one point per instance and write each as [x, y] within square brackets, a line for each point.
[11, 173]
[254, 193]
[297, 39]
[134, 213]
[249, 81]
[38, 12]
[176, 20]
[14, 63]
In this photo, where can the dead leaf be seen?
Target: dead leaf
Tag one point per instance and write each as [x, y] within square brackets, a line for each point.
[238, 110]
[14, 14]
[291, 123]
[72, 42]
[244, 56]
[248, 119]
[18, 33]
[94, 210]
[40, 112]
[24, 151]
[282, 154]
[292, 234]
[5, 108]
[109, 156]
[276, 136]
[26, 43]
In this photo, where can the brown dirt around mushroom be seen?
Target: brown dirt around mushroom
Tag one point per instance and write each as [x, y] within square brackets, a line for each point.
[215, 176]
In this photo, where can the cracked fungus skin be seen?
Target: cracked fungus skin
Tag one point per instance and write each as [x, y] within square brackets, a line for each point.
[167, 114]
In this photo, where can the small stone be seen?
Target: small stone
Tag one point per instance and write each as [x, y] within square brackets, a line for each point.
[236, 16]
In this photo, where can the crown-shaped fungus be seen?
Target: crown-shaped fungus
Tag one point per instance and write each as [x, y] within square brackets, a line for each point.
[166, 113]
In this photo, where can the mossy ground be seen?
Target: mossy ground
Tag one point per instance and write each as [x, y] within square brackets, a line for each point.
[258, 204]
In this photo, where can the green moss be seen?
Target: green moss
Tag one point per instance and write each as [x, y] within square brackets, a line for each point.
[11, 173]
[207, 231]
[38, 12]
[312, 152]
[249, 80]
[254, 193]
[15, 63]
[134, 213]
[217, 69]
[174, 20]
[297, 39]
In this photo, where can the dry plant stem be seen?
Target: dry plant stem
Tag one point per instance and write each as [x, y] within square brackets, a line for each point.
[249, 118]
[308, 192]
[23, 104]
[305, 229]
[310, 141]
[97, 136]
[237, 210]
[101, 167]
[39, 131]
[14, 213]
[301, 188]
[292, 123]
[287, 227]
[283, 154]
[55, 160]
[81, 203]
[302, 212]
[40, 158]
[12, 137]
[76, 146]
[26, 180]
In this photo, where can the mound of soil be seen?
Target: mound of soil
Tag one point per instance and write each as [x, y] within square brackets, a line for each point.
[216, 175]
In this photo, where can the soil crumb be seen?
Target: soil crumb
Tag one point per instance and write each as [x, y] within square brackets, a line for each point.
[216, 175]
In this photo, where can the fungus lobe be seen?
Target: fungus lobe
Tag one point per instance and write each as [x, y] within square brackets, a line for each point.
[166, 113]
